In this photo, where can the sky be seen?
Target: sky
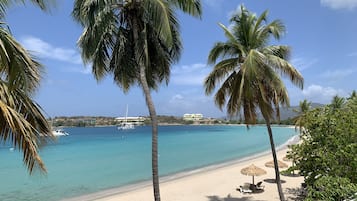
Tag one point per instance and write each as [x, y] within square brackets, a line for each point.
[321, 34]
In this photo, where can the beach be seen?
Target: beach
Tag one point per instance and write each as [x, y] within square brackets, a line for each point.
[214, 183]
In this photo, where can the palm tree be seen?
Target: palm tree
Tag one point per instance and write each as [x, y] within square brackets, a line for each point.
[304, 107]
[249, 69]
[21, 119]
[337, 103]
[353, 95]
[135, 41]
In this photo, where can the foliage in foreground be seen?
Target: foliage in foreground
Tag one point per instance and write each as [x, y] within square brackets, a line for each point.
[327, 155]
[22, 122]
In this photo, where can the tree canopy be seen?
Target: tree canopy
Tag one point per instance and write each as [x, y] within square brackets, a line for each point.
[327, 155]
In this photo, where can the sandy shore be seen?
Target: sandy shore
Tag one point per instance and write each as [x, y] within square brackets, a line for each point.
[214, 183]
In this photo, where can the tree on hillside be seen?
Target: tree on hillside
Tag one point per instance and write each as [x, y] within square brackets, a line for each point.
[304, 107]
[136, 42]
[250, 69]
[337, 102]
[21, 119]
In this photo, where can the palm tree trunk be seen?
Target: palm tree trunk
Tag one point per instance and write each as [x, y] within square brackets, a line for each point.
[276, 167]
[149, 103]
[154, 123]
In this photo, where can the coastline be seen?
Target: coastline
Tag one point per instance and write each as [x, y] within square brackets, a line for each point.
[141, 190]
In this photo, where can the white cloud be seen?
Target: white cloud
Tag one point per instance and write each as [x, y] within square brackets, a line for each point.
[340, 4]
[175, 98]
[189, 74]
[339, 74]
[43, 49]
[320, 94]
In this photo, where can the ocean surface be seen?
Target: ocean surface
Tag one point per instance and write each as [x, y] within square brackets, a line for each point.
[92, 159]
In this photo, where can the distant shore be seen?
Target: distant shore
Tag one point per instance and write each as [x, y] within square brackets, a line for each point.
[99, 121]
[199, 184]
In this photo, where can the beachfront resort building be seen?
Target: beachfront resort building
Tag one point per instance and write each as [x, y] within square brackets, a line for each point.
[132, 120]
[192, 117]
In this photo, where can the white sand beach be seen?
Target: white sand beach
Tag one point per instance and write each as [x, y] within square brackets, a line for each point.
[216, 183]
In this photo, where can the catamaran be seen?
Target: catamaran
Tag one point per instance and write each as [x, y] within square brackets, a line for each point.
[126, 125]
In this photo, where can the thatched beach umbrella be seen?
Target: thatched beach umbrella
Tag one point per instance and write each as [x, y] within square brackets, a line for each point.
[253, 170]
[281, 164]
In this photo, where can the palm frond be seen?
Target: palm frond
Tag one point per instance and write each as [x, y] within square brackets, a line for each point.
[192, 7]
[44, 5]
[232, 39]
[160, 14]
[22, 123]
[286, 69]
[17, 65]
[222, 50]
[221, 71]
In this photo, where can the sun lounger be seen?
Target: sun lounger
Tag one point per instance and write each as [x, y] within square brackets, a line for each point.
[259, 186]
[245, 189]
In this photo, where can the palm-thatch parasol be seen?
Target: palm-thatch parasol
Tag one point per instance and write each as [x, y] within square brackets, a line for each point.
[253, 170]
[281, 164]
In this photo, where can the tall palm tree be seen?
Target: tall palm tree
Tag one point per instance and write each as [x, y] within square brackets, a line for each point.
[304, 107]
[21, 119]
[135, 41]
[249, 70]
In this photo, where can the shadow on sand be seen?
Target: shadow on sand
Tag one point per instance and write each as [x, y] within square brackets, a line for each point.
[297, 194]
[273, 181]
[230, 198]
[291, 175]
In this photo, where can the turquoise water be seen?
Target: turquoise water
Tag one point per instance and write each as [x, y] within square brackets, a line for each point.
[94, 159]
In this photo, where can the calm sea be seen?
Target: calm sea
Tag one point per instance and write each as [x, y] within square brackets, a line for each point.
[93, 159]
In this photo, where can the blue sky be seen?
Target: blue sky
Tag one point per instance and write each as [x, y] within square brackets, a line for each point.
[321, 33]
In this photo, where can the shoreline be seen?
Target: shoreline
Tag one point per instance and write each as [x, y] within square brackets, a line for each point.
[108, 194]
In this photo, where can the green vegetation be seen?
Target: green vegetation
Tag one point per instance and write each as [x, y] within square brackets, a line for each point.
[136, 42]
[327, 155]
[250, 69]
[21, 119]
[87, 121]
[304, 107]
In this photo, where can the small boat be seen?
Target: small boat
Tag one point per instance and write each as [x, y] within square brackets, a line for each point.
[59, 132]
[126, 125]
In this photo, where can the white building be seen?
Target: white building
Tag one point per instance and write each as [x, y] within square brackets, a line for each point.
[192, 117]
[133, 120]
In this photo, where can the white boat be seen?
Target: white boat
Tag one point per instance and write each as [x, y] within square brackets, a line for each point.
[126, 125]
[59, 132]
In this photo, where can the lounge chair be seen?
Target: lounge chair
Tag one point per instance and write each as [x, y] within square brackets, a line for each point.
[245, 189]
[259, 186]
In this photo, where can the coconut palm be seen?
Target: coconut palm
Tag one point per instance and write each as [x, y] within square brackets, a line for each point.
[21, 120]
[136, 42]
[249, 70]
[337, 103]
[304, 107]
[352, 95]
